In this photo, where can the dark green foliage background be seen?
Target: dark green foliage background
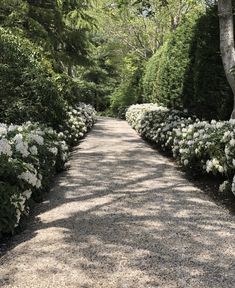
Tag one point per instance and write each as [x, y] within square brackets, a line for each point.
[27, 90]
[187, 71]
[206, 90]
[129, 92]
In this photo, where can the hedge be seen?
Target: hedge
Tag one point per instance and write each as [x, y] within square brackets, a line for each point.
[166, 70]
[200, 146]
[187, 71]
[30, 154]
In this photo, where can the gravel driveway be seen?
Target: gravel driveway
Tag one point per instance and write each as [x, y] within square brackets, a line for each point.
[123, 216]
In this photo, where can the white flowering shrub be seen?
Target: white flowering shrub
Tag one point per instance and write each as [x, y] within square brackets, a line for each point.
[79, 120]
[205, 147]
[30, 155]
[208, 148]
[135, 112]
[88, 114]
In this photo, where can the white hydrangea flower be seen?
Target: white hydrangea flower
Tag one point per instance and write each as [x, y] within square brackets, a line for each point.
[3, 129]
[233, 185]
[38, 183]
[232, 142]
[37, 138]
[209, 166]
[53, 150]
[27, 193]
[22, 147]
[33, 150]
[5, 147]
[29, 178]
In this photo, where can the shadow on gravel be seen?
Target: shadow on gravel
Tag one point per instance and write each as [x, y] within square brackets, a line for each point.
[128, 217]
[209, 184]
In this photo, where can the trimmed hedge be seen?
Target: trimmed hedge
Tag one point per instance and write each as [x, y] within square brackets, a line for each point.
[201, 146]
[128, 92]
[166, 70]
[30, 155]
[187, 71]
[206, 91]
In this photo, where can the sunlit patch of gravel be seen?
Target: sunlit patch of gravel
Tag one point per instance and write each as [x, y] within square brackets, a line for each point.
[122, 216]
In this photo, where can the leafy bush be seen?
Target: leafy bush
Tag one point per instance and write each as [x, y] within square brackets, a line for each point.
[78, 121]
[201, 146]
[127, 93]
[135, 113]
[28, 90]
[187, 71]
[167, 69]
[150, 77]
[30, 154]
[206, 90]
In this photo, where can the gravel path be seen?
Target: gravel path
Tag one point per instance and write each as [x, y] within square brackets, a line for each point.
[122, 217]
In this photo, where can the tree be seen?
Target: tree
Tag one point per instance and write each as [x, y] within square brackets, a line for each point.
[225, 10]
[61, 28]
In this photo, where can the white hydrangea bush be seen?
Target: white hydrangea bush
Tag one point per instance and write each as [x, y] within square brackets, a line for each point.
[30, 155]
[88, 114]
[79, 120]
[135, 112]
[205, 147]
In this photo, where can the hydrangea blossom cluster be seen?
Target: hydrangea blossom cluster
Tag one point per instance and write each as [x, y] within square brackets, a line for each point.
[79, 120]
[88, 114]
[205, 147]
[135, 113]
[30, 155]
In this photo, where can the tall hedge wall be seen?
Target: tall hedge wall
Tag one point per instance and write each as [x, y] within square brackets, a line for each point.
[209, 94]
[165, 72]
[127, 93]
[187, 72]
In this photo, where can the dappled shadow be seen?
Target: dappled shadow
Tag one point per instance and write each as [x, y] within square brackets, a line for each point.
[123, 216]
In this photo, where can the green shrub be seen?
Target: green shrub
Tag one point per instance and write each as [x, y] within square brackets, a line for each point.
[200, 146]
[28, 91]
[150, 77]
[187, 71]
[206, 90]
[166, 72]
[30, 155]
[127, 93]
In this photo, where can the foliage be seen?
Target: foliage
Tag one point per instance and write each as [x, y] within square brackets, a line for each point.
[127, 93]
[30, 154]
[97, 81]
[206, 90]
[61, 31]
[80, 119]
[187, 71]
[200, 146]
[151, 73]
[28, 90]
[133, 33]
[166, 71]
[60, 27]
[38, 41]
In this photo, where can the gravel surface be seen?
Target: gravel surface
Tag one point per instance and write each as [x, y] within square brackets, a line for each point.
[122, 216]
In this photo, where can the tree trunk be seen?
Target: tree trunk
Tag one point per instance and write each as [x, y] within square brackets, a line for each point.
[227, 42]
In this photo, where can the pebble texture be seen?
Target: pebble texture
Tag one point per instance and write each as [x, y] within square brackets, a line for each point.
[122, 216]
